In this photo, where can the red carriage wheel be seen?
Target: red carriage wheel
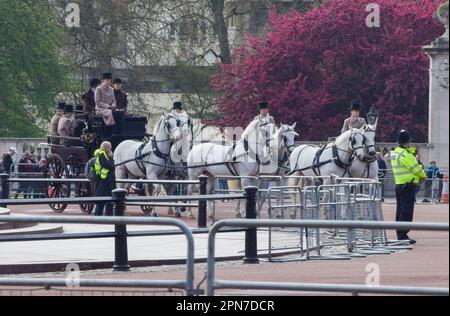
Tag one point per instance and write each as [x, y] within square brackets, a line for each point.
[56, 169]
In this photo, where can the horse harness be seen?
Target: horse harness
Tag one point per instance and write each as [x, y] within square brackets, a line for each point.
[317, 164]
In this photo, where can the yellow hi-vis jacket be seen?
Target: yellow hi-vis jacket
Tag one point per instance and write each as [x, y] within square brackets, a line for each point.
[405, 166]
[101, 172]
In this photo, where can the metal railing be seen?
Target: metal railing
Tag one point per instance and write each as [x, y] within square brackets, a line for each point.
[202, 181]
[213, 283]
[120, 235]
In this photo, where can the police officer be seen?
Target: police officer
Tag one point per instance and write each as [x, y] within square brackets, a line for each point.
[408, 175]
[264, 115]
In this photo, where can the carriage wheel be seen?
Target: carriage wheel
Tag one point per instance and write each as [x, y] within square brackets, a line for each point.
[56, 169]
[74, 165]
[85, 190]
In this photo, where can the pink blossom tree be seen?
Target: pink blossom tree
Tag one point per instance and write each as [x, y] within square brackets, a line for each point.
[310, 66]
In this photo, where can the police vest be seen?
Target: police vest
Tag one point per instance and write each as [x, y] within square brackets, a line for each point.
[405, 166]
[101, 172]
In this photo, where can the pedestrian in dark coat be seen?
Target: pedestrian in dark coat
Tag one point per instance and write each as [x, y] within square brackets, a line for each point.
[106, 183]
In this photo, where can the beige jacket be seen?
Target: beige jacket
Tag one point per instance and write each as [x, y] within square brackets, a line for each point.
[105, 101]
[54, 124]
[353, 123]
[67, 125]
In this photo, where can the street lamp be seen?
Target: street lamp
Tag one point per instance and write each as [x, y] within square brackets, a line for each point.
[373, 115]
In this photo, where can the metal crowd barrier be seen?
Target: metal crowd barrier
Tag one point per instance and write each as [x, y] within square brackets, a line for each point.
[121, 252]
[120, 235]
[214, 284]
[262, 182]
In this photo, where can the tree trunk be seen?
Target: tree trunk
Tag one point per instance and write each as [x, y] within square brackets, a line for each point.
[221, 29]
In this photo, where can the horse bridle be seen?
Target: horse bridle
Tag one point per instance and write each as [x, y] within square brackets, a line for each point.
[285, 139]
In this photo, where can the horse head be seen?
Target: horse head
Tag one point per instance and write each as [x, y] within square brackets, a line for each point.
[181, 148]
[258, 137]
[288, 135]
[357, 143]
[171, 127]
[369, 134]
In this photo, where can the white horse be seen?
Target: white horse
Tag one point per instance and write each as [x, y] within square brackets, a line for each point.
[156, 155]
[281, 145]
[242, 159]
[366, 168]
[335, 158]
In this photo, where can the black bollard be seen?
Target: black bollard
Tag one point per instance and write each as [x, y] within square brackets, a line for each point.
[203, 205]
[251, 234]
[5, 188]
[120, 242]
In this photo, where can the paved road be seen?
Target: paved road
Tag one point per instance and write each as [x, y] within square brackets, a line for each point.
[426, 265]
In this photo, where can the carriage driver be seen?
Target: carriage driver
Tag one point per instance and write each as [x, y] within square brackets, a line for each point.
[56, 118]
[105, 104]
[177, 109]
[354, 121]
[68, 123]
[264, 115]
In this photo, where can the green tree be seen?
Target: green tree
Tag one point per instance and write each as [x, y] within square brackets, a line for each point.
[197, 93]
[31, 72]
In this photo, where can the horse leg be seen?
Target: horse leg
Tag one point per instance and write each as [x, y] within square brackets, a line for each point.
[209, 190]
[295, 182]
[190, 191]
[235, 185]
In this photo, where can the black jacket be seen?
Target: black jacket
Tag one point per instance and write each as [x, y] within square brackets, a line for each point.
[106, 186]
[7, 163]
[89, 101]
[121, 100]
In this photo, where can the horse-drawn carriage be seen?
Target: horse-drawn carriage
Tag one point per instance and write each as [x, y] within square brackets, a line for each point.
[69, 156]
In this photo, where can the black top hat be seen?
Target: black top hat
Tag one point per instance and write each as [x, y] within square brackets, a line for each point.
[94, 82]
[61, 105]
[356, 106]
[263, 105]
[117, 80]
[177, 105]
[404, 137]
[107, 75]
[68, 108]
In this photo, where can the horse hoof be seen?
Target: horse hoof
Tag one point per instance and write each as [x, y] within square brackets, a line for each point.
[238, 215]
[170, 212]
[154, 215]
[177, 215]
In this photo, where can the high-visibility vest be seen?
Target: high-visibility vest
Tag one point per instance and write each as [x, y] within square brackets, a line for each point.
[101, 172]
[405, 166]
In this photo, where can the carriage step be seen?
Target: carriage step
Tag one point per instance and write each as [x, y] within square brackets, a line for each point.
[33, 230]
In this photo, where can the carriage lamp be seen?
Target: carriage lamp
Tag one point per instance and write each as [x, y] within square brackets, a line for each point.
[373, 115]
